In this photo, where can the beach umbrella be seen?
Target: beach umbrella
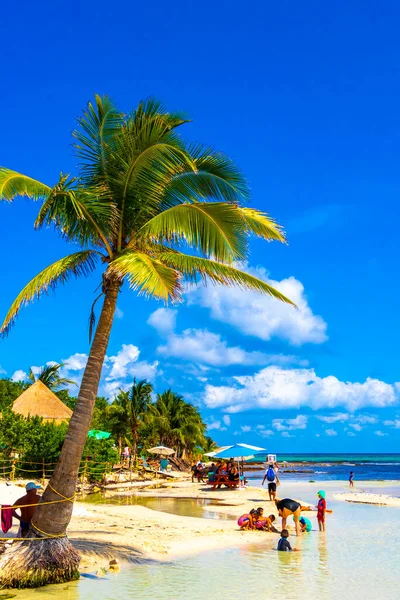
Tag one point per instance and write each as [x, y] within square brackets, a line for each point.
[212, 454]
[240, 452]
[161, 450]
[99, 435]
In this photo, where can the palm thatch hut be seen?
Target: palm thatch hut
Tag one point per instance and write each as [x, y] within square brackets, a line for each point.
[39, 401]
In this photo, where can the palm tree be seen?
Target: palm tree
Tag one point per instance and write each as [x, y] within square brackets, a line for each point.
[178, 423]
[209, 445]
[129, 410]
[50, 376]
[143, 198]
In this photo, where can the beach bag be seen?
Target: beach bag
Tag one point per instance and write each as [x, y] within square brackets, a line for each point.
[270, 474]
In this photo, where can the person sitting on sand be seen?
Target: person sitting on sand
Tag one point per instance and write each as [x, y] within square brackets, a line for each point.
[321, 510]
[305, 524]
[248, 520]
[28, 504]
[265, 523]
[284, 544]
[287, 507]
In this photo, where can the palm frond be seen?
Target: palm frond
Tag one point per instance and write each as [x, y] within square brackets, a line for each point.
[147, 275]
[192, 267]
[215, 228]
[98, 126]
[80, 263]
[13, 184]
[81, 215]
[262, 225]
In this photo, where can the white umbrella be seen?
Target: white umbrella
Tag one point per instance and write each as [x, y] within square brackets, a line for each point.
[161, 450]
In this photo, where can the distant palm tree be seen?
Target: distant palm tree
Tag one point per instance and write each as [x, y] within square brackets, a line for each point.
[209, 445]
[50, 376]
[143, 199]
[129, 409]
[178, 423]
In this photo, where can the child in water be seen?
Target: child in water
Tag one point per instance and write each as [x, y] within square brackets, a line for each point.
[284, 544]
[321, 510]
[305, 524]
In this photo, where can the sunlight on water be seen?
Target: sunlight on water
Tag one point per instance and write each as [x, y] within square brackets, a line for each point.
[357, 559]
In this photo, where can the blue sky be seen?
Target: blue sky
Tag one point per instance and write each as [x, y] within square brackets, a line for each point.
[305, 98]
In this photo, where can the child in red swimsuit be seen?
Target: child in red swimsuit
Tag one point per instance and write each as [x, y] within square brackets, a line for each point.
[321, 510]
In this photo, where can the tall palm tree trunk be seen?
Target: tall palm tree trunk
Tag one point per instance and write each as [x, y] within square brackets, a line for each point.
[55, 560]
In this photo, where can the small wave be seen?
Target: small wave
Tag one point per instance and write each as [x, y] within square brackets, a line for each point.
[321, 472]
[349, 464]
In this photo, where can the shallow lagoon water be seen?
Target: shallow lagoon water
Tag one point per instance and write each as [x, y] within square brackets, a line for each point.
[356, 559]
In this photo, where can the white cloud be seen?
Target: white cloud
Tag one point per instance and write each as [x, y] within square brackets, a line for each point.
[380, 433]
[127, 355]
[112, 388]
[144, 370]
[163, 320]
[356, 426]
[2, 371]
[275, 387]
[262, 316]
[299, 422]
[351, 434]
[330, 432]
[265, 432]
[36, 370]
[286, 434]
[76, 362]
[227, 420]
[366, 419]
[245, 428]
[394, 423]
[214, 425]
[206, 347]
[19, 375]
[336, 418]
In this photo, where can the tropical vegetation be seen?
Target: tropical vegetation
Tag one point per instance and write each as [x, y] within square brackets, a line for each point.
[50, 375]
[153, 211]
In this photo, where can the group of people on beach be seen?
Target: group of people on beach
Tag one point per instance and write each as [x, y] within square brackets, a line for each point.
[228, 468]
[286, 508]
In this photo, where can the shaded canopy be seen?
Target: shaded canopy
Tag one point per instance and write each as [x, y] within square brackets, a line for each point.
[39, 401]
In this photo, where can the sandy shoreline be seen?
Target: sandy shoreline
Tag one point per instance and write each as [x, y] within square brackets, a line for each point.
[134, 532]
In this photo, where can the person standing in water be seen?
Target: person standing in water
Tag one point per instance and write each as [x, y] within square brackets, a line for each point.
[287, 507]
[321, 510]
[351, 479]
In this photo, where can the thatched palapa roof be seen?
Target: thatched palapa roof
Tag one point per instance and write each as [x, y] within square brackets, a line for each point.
[39, 401]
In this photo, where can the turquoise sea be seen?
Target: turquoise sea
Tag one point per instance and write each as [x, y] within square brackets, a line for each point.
[366, 467]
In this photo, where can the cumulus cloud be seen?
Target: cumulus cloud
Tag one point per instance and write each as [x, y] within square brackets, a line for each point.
[380, 433]
[163, 320]
[246, 428]
[203, 346]
[19, 375]
[275, 387]
[286, 434]
[76, 362]
[127, 355]
[227, 420]
[330, 432]
[262, 316]
[214, 425]
[351, 434]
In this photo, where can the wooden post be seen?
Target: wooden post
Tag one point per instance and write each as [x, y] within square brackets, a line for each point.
[43, 472]
[13, 470]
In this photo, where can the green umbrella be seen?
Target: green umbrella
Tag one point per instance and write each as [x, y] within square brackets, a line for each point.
[99, 435]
